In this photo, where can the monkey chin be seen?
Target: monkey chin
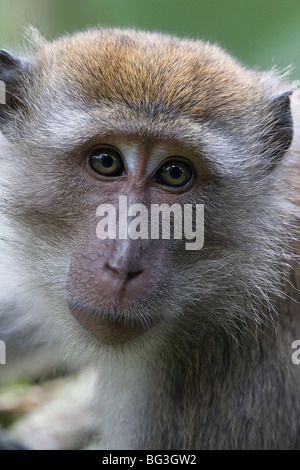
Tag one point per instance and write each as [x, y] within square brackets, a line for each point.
[107, 329]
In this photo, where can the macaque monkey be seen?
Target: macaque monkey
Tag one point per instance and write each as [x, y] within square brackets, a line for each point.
[192, 347]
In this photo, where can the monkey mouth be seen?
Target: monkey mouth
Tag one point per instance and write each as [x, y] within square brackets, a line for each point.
[110, 328]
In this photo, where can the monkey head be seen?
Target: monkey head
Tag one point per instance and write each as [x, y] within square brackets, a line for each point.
[105, 116]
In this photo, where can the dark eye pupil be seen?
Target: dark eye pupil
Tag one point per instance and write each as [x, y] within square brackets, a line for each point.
[175, 172]
[107, 161]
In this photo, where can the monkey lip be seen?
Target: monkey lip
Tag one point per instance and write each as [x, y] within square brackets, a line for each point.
[109, 329]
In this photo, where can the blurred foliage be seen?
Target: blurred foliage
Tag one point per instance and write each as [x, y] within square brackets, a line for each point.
[261, 33]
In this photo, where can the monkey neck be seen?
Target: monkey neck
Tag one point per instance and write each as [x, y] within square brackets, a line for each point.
[227, 382]
[189, 390]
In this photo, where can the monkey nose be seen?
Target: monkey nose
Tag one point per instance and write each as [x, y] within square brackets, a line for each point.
[121, 281]
[121, 270]
[123, 261]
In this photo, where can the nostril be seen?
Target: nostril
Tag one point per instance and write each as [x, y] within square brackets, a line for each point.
[109, 267]
[122, 272]
[132, 275]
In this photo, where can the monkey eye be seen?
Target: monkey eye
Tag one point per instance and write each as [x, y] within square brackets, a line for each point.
[106, 162]
[174, 173]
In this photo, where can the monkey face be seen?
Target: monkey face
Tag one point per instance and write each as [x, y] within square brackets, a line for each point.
[120, 279]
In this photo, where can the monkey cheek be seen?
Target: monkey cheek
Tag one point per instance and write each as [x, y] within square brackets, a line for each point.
[109, 330]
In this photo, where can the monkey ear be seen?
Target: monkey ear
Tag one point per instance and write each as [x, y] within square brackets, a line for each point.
[12, 72]
[281, 132]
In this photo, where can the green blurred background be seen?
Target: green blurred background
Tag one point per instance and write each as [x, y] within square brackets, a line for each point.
[260, 33]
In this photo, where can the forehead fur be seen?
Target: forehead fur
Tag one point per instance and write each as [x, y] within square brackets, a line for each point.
[148, 69]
